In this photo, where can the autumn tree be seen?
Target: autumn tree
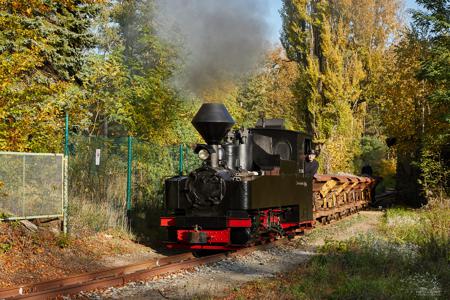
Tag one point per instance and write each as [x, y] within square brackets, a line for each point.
[414, 102]
[269, 91]
[42, 46]
[126, 80]
[433, 26]
[338, 46]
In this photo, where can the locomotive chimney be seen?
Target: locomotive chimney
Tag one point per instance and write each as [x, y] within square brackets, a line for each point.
[213, 122]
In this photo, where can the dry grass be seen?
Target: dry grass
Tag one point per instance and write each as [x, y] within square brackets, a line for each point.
[86, 217]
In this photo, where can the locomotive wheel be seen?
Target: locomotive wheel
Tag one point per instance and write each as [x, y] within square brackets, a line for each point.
[290, 235]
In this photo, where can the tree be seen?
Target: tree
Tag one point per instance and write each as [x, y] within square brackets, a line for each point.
[127, 82]
[41, 53]
[414, 102]
[269, 91]
[432, 31]
[433, 28]
[338, 46]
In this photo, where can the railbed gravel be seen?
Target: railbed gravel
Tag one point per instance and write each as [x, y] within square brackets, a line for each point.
[216, 279]
[213, 279]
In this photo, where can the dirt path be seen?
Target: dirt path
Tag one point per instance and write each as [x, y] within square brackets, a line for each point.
[217, 279]
[360, 223]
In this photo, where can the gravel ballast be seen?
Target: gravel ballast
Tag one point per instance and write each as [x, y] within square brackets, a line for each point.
[218, 278]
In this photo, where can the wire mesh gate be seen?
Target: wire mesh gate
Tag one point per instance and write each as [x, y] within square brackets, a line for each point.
[31, 185]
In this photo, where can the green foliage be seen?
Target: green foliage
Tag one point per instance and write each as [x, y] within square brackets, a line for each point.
[426, 228]
[373, 150]
[373, 153]
[359, 269]
[4, 215]
[407, 258]
[49, 65]
[150, 62]
[41, 53]
[433, 26]
[435, 174]
[5, 247]
[105, 96]
[63, 240]
[414, 103]
[337, 47]
[269, 91]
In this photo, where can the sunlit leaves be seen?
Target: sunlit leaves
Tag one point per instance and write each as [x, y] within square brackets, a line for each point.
[41, 53]
[338, 46]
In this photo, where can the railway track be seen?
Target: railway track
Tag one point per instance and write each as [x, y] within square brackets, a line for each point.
[119, 276]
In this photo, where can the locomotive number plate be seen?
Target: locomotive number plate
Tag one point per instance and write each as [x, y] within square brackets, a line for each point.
[198, 237]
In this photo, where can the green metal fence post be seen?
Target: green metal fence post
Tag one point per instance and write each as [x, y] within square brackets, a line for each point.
[180, 160]
[66, 134]
[129, 172]
[66, 171]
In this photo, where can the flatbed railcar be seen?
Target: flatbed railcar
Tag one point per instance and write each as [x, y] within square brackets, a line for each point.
[252, 186]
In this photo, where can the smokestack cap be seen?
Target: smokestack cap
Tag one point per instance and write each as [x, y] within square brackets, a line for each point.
[213, 122]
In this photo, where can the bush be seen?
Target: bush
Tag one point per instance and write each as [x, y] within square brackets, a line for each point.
[63, 241]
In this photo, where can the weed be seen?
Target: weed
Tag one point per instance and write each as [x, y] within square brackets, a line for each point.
[5, 247]
[63, 241]
[4, 215]
[88, 217]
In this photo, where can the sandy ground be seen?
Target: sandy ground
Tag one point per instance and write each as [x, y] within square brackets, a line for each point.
[129, 258]
[218, 278]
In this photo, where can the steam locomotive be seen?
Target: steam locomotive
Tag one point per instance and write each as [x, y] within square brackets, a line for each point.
[251, 186]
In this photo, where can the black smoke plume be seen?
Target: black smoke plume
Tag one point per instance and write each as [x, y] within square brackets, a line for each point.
[221, 39]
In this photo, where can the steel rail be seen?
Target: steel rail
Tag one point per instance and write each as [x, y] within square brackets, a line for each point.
[55, 283]
[119, 276]
[119, 279]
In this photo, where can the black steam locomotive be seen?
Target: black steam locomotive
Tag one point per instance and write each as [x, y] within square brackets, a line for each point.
[251, 186]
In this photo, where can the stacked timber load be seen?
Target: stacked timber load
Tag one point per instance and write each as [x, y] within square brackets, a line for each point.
[335, 196]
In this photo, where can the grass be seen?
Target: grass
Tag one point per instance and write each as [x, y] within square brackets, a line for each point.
[407, 258]
[86, 217]
[326, 231]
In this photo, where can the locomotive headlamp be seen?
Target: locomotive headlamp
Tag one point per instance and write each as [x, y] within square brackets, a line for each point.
[203, 154]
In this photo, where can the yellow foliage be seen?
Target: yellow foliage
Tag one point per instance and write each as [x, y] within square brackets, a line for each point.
[339, 46]
[388, 167]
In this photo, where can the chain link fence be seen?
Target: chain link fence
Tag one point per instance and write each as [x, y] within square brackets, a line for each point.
[151, 165]
[103, 174]
[97, 183]
[31, 185]
[98, 169]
